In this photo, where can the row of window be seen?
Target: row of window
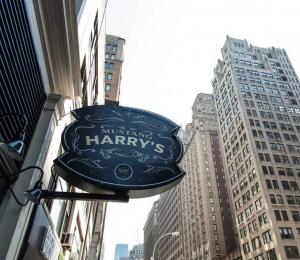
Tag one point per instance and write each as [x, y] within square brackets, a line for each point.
[264, 89]
[252, 79]
[286, 185]
[281, 215]
[279, 158]
[276, 136]
[248, 63]
[274, 102]
[112, 47]
[110, 56]
[278, 199]
[273, 125]
[254, 72]
[280, 170]
[109, 65]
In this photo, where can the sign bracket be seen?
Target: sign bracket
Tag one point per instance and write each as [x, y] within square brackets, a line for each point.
[37, 193]
[118, 196]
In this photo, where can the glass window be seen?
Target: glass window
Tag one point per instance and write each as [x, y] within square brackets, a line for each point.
[291, 252]
[277, 215]
[267, 237]
[284, 215]
[286, 233]
[107, 87]
[114, 47]
[109, 76]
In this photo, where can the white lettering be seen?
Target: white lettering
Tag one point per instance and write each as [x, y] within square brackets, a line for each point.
[88, 140]
[144, 143]
[106, 139]
[159, 148]
[132, 141]
[120, 139]
[105, 131]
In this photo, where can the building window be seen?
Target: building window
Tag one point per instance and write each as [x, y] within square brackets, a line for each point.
[107, 87]
[291, 252]
[114, 47]
[286, 233]
[279, 199]
[256, 243]
[271, 254]
[295, 215]
[113, 56]
[273, 199]
[277, 214]
[246, 248]
[109, 76]
[267, 237]
[290, 199]
[284, 215]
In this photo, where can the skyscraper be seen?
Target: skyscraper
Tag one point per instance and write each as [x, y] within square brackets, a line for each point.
[121, 250]
[170, 220]
[257, 101]
[114, 56]
[208, 227]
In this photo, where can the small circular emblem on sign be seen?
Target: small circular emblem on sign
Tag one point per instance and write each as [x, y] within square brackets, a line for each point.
[123, 171]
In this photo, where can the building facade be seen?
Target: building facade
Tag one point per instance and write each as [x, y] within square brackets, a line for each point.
[52, 61]
[121, 251]
[151, 231]
[137, 252]
[170, 220]
[208, 227]
[257, 100]
[114, 57]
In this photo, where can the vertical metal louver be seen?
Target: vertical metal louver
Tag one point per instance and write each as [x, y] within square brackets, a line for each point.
[21, 87]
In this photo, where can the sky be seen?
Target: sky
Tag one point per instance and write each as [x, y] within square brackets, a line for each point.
[171, 50]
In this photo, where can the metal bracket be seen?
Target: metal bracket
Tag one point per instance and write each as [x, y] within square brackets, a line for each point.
[36, 194]
[118, 196]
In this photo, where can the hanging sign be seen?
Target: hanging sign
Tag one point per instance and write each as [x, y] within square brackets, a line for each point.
[111, 148]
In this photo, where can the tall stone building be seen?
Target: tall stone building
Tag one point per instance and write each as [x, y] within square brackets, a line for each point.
[208, 227]
[114, 56]
[170, 220]
[257, 100]
[151, 231]
[52, 61]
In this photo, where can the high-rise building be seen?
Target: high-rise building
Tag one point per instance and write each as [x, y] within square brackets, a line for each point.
[137, 252]
[52, 61]
[208, 229]
[257, 101]
[121, 250]
[151, 231]
[114, 56]
[170, 220]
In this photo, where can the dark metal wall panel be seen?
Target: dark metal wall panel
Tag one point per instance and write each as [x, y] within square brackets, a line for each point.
[21, 87]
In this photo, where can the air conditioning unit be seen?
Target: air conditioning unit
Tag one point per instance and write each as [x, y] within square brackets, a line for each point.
[66, 240]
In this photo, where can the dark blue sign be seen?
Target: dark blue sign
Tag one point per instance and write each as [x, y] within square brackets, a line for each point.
[111, 148]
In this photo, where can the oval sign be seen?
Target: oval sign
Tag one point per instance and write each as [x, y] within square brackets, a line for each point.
[113, 148]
